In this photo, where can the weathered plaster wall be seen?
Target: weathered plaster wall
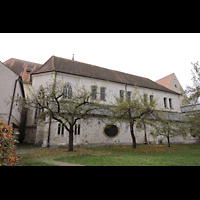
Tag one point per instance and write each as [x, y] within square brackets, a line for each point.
[8, 78]
[92, 129]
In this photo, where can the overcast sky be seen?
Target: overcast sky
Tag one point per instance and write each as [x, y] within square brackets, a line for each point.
[150, 55]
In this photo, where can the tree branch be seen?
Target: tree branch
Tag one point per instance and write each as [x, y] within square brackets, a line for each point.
[56, 98]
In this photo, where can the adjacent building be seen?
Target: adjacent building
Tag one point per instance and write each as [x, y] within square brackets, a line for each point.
[11, 87]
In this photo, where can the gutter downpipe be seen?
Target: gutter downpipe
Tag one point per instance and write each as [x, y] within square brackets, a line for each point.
[125, 91]
[13, 96]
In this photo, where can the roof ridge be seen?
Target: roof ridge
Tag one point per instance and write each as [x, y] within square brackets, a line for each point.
[9, 68]
[164, 77]
[102, 67]
[64, 65]
[22, 60]
[52, 57]
[161, 85]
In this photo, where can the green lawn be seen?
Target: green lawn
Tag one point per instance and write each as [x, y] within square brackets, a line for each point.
[143, 155]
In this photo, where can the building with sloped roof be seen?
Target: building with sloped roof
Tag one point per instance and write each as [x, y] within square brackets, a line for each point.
[73, 67]
[171, 82]
[76, 74]
[11, 87]
[22, 68]
[107, 84]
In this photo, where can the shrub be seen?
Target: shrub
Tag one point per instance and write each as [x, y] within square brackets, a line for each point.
[7, 146]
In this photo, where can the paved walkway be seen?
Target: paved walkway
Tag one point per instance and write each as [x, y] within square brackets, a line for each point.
[62, 163]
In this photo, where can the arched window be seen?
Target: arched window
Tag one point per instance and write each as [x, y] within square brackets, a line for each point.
[67, 91]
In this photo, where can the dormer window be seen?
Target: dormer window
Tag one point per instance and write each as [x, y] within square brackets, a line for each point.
[28, 71]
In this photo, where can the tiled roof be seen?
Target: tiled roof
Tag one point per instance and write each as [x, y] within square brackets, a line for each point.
[67, 66]
[22, 68]
[165, 81]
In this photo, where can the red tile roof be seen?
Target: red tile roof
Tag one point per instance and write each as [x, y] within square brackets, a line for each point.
[165, 81]
[22, 68]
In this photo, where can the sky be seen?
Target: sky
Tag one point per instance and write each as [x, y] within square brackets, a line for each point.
[150, 55]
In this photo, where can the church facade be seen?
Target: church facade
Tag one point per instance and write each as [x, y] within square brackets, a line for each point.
[106, 85]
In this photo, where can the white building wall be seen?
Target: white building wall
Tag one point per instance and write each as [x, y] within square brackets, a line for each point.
[92, 130]
[7, 84]
[92, 133]
[112, 89]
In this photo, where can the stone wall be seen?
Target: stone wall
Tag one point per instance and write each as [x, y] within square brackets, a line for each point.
[30, 134]
[92, 133]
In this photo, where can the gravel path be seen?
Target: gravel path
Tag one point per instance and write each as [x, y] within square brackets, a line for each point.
[62, 163]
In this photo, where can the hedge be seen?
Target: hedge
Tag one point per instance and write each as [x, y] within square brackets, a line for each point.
[7, 146]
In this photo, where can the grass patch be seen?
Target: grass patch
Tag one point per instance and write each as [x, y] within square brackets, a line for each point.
[143, 155]
[36, 163]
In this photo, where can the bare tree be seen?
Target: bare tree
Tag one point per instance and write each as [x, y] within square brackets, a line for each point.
[65, 107]
[132, 109]
[169, 125]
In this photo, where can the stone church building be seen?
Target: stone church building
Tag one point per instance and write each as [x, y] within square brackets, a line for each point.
[106, 84]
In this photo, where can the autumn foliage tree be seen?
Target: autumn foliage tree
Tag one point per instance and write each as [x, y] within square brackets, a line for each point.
[7, 146]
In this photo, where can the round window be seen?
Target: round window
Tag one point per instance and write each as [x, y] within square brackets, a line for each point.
[111, 130]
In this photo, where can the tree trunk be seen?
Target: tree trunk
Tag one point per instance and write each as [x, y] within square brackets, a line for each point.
[49, 133]
[132, 134]
[168, 141]
[145, 134]
[71, 139]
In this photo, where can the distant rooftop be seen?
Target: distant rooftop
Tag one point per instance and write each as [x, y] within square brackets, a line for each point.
[165, 81]
[190, 108]
[22, 68]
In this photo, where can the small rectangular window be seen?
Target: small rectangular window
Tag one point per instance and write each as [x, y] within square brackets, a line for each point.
[165, 102]
[79, 129]
[36, 115]
[151, 98]
[63, 128]
[145, 98]
[94, 91]
[170, 103]
[59, 126]
[103, 93]
[129, 95]
[75, 131]
[28, 71]
[121, 93]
